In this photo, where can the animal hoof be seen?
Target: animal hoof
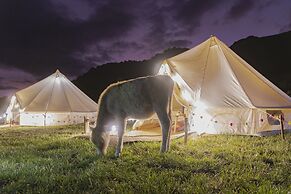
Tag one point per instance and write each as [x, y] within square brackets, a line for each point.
[117, 155]
[98, 152]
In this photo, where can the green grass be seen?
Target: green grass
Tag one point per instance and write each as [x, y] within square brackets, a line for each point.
[51, 160]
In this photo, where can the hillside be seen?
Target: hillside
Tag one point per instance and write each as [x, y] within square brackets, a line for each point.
[270, 56]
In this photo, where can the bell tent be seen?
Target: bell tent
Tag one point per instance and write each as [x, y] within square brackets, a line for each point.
[223, 93]
[54, 100]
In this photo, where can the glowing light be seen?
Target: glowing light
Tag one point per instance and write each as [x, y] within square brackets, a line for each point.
[8, 113]
[177, 78]
[201, 121]
[201, 106]
[58, 80]
[13, 99]
[113, 130]
[187, 96]
[163, 70]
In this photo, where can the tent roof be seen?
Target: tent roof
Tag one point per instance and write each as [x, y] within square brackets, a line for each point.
[55, 94]
[218, 77]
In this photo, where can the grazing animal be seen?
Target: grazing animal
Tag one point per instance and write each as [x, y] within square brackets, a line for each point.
[139, 99]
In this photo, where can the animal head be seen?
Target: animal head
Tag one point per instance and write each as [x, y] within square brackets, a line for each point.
[101, 140]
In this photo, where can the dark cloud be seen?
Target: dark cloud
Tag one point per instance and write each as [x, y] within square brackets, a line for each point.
[171, 23]
[240, 8]
[179, 43]
[267, 3]
[36, 38]
[191, 12]
[287, 26]
[3, 87]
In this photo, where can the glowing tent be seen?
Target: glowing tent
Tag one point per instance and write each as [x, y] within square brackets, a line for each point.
[223, 93]
[52, 101]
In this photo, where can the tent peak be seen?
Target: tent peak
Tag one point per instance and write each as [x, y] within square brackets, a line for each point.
[57, 73]
[213, 39]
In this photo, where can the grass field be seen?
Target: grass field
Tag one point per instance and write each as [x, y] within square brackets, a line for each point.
[52, 160]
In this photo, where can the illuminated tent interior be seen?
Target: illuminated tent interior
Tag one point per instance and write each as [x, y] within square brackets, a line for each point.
[222, 93]
[54, 100]
[4, 103]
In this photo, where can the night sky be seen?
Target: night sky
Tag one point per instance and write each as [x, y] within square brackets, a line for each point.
[39, 36]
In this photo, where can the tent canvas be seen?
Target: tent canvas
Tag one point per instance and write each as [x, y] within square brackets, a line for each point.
[223, 93]
[54, 100]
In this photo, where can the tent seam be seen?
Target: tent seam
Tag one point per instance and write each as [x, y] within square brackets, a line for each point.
[67, 97]
[204, 70]
[236, 76]
[34, 96]
[50, 96]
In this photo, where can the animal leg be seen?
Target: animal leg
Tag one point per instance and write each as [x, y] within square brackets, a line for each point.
[165, 122]
[121, 127]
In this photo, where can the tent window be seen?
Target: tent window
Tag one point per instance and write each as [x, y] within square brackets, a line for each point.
[272, 115]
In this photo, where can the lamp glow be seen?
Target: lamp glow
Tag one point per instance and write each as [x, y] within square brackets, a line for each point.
[187, 96]
[200, 105]
[58, 80]
[164, 70]
[113, 130]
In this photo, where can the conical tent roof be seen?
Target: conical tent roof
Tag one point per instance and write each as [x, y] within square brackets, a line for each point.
[55, 94]
[218, 77]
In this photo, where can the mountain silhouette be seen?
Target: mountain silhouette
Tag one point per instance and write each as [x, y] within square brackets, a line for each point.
[269, 55]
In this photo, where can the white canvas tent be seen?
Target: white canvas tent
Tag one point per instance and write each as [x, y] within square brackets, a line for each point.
[223, 93]
[52, 101]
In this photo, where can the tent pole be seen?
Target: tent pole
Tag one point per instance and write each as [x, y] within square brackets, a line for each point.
[44, 120]
[185, 126]
[175, 125]
[282, 127]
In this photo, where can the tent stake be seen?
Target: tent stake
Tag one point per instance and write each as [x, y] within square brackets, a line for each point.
[282, 127]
